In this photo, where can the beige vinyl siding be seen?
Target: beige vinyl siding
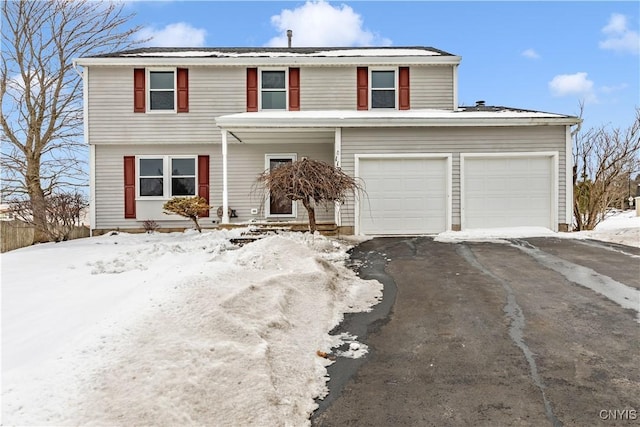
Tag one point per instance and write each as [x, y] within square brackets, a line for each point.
[109, 172]
[454, 141]
[245, 163]
[334, 88]
[431, 87]
[213, 91]
[328, 88]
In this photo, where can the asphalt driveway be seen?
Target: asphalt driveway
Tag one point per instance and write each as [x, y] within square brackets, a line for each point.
[528, 332]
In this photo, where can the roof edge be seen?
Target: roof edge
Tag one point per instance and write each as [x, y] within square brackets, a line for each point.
[447, 119]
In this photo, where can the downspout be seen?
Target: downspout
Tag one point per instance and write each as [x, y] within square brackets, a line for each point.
[337, 162]
[84, 75]
[455, 88]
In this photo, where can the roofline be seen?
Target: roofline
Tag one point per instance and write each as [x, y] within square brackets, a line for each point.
[308, 50]
[235, 123]
[268, 61]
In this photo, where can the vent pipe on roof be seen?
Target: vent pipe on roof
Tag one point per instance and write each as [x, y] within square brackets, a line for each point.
[289, 36]
[479, 103]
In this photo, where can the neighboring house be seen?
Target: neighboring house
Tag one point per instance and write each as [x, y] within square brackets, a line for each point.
[5, 213]
[163, 122]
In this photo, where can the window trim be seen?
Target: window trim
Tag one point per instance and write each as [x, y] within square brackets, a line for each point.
[286, 88]
[148, 89]
[167, 175]
[267, 166]
[396, 89]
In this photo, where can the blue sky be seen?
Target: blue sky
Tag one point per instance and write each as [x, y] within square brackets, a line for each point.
[545, 56]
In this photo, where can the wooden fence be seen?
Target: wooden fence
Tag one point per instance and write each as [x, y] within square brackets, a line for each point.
[17, 234]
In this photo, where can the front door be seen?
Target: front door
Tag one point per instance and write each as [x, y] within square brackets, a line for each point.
[280, 207]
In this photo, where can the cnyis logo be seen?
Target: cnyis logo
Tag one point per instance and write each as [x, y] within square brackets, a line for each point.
[618, 414]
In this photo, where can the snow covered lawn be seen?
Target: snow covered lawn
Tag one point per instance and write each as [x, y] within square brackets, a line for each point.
[186, 328]
[173, 329]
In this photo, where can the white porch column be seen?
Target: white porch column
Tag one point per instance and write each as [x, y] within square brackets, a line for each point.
[225, 188]
[337, 162]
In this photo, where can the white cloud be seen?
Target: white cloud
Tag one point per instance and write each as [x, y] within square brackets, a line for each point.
[619, 37]
[179, 34]
[317, 23]
[530, 53]
[577, 84]
[613, 89]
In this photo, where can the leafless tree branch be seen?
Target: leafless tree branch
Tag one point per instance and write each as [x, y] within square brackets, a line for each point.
[604, 161]
[41, 94]
[311, 182]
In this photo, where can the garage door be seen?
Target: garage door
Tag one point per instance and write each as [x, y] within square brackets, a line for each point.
[507, 192]
[403, 195]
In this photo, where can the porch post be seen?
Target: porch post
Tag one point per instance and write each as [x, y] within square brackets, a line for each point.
[225, 188]
[337, 162]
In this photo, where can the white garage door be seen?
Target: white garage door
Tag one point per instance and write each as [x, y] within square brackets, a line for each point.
[507, 192]
[403, 195]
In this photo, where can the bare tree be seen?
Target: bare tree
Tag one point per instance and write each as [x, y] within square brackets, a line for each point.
[42, 148]
[64, 212]
[604, 161]
[311, 182]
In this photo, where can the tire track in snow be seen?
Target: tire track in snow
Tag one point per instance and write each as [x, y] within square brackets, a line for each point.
[623, 295]
[613, 247]
[516, 328]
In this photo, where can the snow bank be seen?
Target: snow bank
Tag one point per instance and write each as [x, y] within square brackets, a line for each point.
[174, 329]
[622, 227]
[493, 234]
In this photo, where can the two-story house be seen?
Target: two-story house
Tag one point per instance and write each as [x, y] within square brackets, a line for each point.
[164, 122]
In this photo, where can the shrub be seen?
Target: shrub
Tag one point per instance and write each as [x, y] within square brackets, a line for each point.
[188, 207]
[150, 225]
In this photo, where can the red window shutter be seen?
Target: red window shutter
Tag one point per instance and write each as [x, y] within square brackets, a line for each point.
[363, 88]
[183, 90]
[403, 83]
[294, 89]
[129, 187]
[138, 91]
[203, 179]
[252, 89]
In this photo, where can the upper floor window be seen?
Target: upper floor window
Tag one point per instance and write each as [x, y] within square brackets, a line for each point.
[162, 90]
[383, 89]
[273, 90]
[167, 176]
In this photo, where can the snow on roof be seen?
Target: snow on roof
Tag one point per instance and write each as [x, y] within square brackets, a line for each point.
[277, 52]
[382, 117]
[383, 113]
[280, 54]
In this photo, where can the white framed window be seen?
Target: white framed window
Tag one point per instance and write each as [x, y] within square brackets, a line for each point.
[163, 177]
[280, 207]
[384, 93]
[273, 89]
[161, 92]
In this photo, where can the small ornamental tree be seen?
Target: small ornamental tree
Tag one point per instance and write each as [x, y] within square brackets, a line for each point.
[311, 182]
[188, 207]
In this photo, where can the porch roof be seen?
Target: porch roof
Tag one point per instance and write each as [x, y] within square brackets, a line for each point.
[465, 116]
